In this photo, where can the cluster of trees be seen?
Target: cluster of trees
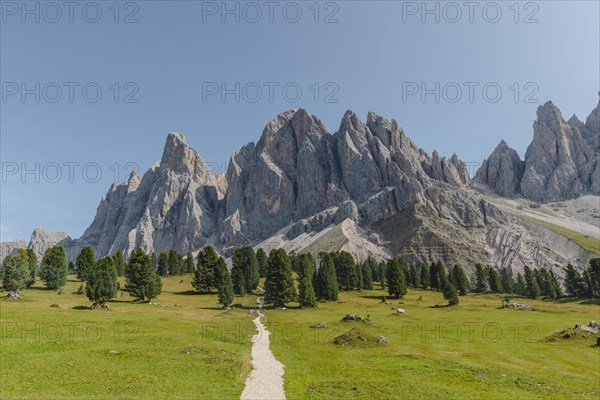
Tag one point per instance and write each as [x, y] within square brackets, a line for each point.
[22, 270]
[586, 284]
[170, 263]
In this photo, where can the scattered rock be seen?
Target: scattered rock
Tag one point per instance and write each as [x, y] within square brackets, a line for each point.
[593, 327]
[176, 305]
[103, 306]
[517, 306]
[352, 317]
[320, 325]
[226, 308]
[55, 305]
[113, 352]
[13, 296]
[382, 339]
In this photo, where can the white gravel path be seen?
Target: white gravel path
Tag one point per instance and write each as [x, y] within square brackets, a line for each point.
[266, 379]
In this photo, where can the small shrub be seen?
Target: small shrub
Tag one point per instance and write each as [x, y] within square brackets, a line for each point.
[383, 299]
[81, 290]
[356, 337]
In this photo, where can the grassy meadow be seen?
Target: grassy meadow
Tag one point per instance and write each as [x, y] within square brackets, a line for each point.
[186, 347]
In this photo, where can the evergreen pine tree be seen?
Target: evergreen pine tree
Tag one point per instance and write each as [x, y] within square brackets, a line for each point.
[32, 261]
[327, 287]
[279, 285]
[15, 271]
[223, 282]
[101, 284]
[520, 285]
[307, 297]
[434, 277]
[262, 258]
[345, 270]
[461, 282]
[532, 287]
[382, 268]
[395, 279]
[163, 263]
[451, 294]
[594, 277]
[358, 283]
[442, 275]
[414, 277]
[574, 283]
[494, 280]
[424, 274]
[245, 259]
[367, 282]
[85, 262]
[238, 279]
[143, 283]
[175, 263]
[54, 268]
[189, 263]
[204, 276]
[120, 263]
[480, 279]
[507, 281]
[374, 270]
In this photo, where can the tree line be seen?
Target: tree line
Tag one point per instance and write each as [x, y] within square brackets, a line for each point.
[288, 277]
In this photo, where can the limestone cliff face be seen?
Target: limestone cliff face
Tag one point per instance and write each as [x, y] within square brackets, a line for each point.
[562, 161]
[299, 180]
[10, 248]
[173, 206]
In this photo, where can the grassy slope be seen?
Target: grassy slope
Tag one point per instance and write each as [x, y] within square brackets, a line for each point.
[163, 352]
[521, 364]
[588, 243]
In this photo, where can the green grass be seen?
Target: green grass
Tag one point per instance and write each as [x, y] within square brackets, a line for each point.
[428, 357]
[588, 243]
[171, 352]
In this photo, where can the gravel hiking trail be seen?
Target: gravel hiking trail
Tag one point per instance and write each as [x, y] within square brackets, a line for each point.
[265, 382]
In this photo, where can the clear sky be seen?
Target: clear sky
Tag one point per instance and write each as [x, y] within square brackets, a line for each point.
[162, 66]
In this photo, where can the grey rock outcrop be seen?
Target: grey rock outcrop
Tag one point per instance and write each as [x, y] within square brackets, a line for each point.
[562, 161]
[502, 171]
[10, 248]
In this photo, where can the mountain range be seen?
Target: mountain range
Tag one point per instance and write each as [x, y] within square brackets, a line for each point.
[368, 189]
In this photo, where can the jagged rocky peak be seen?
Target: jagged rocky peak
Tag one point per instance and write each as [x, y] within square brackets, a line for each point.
[560, 163]
[502, 171]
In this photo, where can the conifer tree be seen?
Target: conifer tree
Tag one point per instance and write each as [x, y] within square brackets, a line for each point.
[163, 263]
[189, 263]
[204, 276]
[507, 281]
[594, 277]
[461, 282]
[434, 277]
[494, 280]
[574, 283]
[85, 262]
[101, 284]
[442, 275]
[262, 258]
[307, 297]
[451, 294]
[223, 282]
[238, 279]
[143, 283]
[533, 290]
[382, 268]
[327, 287]
[520, 285]
[367, 282]
[480, 279]
[32, 261]
[246, 261]
[424, 274]
[345, 270]
[358, 283]
[120, 263]
[15, 271]
[414, 277]
[279, 285]
[54, 268]
[395, 279]
[175, 263]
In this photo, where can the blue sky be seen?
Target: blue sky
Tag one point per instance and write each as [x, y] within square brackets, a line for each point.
[359, 55]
